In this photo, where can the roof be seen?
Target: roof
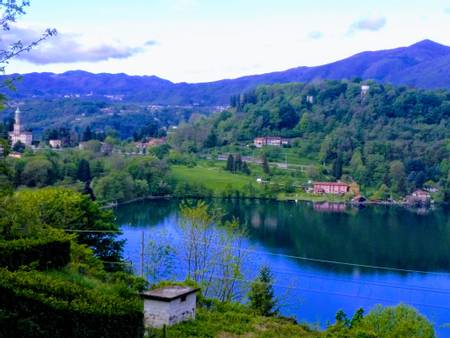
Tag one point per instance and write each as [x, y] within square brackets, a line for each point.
[168, 293]
[420, 192]
[331, 183]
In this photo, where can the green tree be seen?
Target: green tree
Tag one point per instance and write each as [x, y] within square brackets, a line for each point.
[84, 171]
[69, 210]
[397, 177]
[398, 321]
[38, 172]
[337, 167]
[265, 165]
[230, 163]
[262, 299]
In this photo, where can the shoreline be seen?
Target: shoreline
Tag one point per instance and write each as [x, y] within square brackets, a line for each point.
[292, 200]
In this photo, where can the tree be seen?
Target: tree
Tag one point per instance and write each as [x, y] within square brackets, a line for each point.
[211, 140]
[230, 163]
[211, 252]
[10, 10]
[262, 299]
[87, 134]
[265, 165]
[337, 167]
[69, 210]
[19, 147]
[398, 321]
[84, 171]
[238, 163]
[38, 172]
[397, 177]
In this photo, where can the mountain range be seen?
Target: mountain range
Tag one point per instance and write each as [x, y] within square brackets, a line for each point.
[425, 64]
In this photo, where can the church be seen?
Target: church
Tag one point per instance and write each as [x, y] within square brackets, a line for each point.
[17, 134]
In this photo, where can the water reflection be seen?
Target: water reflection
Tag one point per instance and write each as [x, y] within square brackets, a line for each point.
[375, 235]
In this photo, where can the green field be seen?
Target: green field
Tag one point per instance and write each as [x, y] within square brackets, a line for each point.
[211, 177]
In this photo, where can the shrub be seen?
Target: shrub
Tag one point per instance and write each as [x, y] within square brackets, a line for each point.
[49, 252]
[34, 304]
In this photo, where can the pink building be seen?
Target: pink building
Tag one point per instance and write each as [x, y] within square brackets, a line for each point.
[336, 188]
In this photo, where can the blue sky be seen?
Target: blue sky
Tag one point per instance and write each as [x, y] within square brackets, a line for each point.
[204, 40]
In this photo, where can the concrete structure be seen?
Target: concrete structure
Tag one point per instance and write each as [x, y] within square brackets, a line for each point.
[169, 305]
[1, 151]
[336, 188]
[55, 143]
[310, 99]
[18, 135]
[270, 141]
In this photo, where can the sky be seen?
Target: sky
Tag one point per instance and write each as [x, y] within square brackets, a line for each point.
[207, 40]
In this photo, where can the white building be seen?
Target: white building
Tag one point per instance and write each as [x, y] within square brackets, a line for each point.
[169, 305]
[18, 135]
[55, 143]
[364, 90]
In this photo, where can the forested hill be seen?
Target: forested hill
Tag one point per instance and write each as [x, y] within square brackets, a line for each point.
[391, 135]
[425, 64]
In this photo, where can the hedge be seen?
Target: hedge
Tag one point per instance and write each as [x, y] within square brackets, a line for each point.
[35, 304]
[49, 252]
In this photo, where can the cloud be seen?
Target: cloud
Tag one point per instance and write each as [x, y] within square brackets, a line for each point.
[315, 35]
[447, 10]
[368, 24]
[68, 48]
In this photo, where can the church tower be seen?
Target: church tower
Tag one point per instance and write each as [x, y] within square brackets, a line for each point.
[17, 127]
[17, 135]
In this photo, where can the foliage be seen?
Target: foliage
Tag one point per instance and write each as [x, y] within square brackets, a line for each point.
[36, 304]
[64, 209]
[236, 320]
[213, 258]
[261, 295]
[50, 250]
[394, 136]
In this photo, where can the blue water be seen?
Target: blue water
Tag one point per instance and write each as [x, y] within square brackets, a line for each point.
[416, 243]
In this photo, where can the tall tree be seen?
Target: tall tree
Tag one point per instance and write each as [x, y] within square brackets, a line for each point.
[84, 171]
[230, 163]
[262, 298]
[265, 165]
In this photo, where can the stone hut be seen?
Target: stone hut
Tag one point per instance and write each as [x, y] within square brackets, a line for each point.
[169, 305]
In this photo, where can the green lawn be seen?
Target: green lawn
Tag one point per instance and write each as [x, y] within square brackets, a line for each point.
[211, 177]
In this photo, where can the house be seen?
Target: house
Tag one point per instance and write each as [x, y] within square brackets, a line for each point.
[55, 143]
[274, 141]
[336, 188]
[1, 150]
[169, 305]
[155, 141]
[259, 142]
[419, 197]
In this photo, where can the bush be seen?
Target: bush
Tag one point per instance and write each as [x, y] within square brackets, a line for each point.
[34, 304]
[49, 252]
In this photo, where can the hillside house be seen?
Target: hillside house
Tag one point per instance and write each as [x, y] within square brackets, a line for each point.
[270, 141]
[419, 197]
[55, 143]
[336, 188]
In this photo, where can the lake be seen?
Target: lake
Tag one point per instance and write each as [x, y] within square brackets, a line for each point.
[325, 257]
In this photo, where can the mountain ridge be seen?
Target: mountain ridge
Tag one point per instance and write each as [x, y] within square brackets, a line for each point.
[425, 64]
